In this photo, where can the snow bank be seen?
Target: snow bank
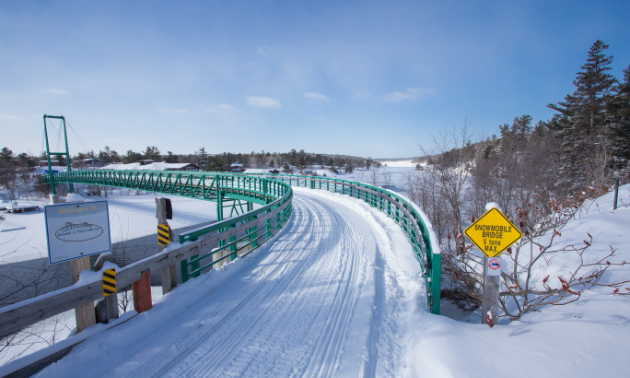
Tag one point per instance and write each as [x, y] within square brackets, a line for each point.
[583, 339]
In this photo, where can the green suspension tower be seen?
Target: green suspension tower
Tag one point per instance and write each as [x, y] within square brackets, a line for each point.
[48, 153]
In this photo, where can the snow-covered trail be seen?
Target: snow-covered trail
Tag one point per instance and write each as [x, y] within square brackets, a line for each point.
[320, 300]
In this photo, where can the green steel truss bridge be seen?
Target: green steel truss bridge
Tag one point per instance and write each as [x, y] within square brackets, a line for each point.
[271, 191]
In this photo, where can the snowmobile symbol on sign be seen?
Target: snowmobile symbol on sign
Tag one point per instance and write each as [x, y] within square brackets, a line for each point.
[79, 232]
[493, 233]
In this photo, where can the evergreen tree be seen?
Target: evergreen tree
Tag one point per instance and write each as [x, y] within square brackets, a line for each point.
[217, 163]
[6, 154]
[540, 131]
[152, 153]
[300, 160]
[619, 118]
[203, 155]
[581, 120]
[170, 158]
[522, 127]
[129, 157]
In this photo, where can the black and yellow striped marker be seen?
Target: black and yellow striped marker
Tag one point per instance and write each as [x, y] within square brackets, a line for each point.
[163, 234]
[109, 282]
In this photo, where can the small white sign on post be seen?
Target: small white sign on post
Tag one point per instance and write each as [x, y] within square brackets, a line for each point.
[76, 230]
[494, 267]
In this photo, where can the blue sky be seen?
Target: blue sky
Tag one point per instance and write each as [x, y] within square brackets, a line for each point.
[367, 78]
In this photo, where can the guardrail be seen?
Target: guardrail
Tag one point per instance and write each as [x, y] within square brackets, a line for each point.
[423, 240]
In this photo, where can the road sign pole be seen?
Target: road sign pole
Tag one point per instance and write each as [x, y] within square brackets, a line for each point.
[492, 233]
[491, 285]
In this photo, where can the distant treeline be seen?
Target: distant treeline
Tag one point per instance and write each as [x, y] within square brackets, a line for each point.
[204, 159]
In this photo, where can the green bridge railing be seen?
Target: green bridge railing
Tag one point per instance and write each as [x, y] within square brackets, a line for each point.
[422, 238]
[271, 191]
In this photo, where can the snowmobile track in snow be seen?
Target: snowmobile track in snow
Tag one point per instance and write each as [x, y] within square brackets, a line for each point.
[303, 305]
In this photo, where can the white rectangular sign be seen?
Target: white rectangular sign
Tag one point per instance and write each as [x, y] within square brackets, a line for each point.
[77, 229]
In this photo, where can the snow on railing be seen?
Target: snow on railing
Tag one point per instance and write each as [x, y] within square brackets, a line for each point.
[407, 215]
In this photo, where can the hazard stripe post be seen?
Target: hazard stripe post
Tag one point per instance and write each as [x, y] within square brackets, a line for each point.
[109, 282]
[163, 234]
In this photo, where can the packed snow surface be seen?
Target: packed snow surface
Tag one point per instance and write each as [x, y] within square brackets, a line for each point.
[329, 297]
[338, 293]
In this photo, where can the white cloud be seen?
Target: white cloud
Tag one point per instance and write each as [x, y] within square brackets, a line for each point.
[172, 110]
[263, 102]
[13, 118]
[316, 97]
[56, 91]
[221, 107]
[411, 94]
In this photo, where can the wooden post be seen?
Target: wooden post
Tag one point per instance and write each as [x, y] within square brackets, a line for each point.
[169, 275]
[111, 301]
[84, 314]
[142, 293]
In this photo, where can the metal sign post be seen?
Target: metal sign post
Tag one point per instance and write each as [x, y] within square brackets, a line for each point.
[492, 233]
[616, 194]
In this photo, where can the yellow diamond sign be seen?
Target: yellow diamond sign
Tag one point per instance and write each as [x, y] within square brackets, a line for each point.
[493, 233]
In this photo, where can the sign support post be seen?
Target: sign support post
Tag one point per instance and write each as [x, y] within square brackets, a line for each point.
[169, 275]
[84, 314]
[492, 234]
[491, 285]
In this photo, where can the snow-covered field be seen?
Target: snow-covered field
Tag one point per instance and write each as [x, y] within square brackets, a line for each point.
[339, 293]
[399, 163]
[23, 236]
